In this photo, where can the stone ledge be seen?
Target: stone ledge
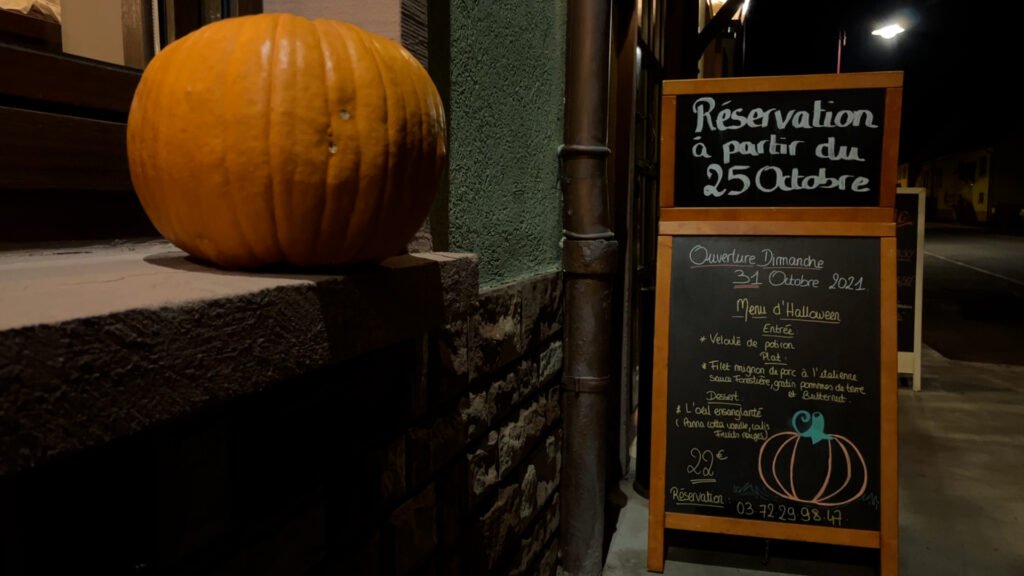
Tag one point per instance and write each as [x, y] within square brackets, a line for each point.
[106, 342]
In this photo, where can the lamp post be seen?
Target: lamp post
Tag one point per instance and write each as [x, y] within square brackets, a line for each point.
[839, 52]
[887, 32]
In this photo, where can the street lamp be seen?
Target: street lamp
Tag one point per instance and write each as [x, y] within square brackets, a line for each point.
[888, 32]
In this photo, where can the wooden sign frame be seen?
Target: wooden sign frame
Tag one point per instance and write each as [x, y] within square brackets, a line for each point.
[910, 361]
[886, 539]
[891, 82]
[825, 222]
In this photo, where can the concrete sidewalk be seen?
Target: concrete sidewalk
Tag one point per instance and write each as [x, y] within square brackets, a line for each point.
[961, 489]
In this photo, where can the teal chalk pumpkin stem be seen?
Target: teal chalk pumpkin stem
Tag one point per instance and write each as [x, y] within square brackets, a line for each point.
[815, 426]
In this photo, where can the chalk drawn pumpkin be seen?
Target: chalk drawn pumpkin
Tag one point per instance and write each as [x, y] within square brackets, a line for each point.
[808, 466]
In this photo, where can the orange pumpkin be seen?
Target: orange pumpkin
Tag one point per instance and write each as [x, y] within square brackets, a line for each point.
[275, 139]
[808, 466]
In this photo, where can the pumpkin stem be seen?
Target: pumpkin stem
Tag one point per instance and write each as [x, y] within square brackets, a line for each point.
[803, 416]
[816, 428]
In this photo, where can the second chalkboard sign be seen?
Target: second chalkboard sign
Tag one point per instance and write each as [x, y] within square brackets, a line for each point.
[774, 396]
[909, 270]
[907, 215]
[773, 380]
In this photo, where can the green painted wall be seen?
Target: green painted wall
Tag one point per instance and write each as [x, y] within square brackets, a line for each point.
[506, 99]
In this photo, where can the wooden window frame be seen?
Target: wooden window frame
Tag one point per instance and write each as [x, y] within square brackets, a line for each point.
[63, 158]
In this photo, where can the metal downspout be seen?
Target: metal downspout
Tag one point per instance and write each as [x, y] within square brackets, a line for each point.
[589, 262]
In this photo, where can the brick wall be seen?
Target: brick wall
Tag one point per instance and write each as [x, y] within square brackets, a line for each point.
[437, 455]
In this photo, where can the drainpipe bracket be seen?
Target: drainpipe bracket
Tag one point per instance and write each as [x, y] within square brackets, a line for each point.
[581, 162]
[590, 254]
[586, 384]
[569, 150]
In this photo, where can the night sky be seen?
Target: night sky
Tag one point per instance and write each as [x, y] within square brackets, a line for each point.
[959, 57]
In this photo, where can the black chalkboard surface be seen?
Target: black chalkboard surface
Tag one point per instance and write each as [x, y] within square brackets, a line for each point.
[773, 379]
[906, 269]
[812, 148]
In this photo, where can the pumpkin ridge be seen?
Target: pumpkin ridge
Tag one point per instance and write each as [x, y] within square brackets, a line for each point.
[792, 469]
[246, 243]
[431, 147]
[760, 468]
[828, 474]
[344, 170]
[409, 163]
[312, 132]
[358, 215]
[405, 165]
[281, 253]
[398, 188]
[325, 205]
[214, 241]
[849, 472]
[775, 469]
[424, 190]
[301, 137]
[863, 466]
[155, 138]
[159, 137]
[197, 196]
[370, 243]
[252, 191]
[207, 204]
[182, 233]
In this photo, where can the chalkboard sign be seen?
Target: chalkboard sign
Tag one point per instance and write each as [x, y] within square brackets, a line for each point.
[773, 380]
[814, 148]
[773, 406]
[907, 215]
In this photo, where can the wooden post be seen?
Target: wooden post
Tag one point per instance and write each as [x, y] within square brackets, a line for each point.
[890, 520]
[656, 518]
